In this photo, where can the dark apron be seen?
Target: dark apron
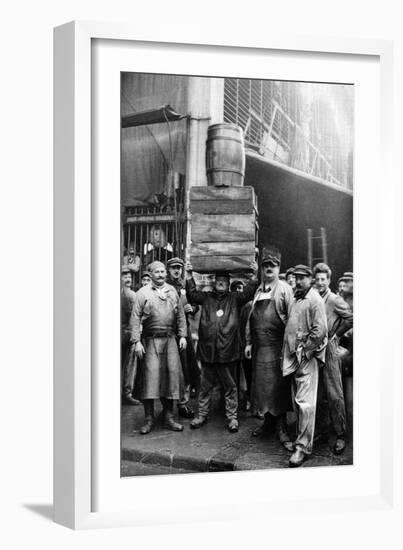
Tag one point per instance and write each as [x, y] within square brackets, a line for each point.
[270, 391]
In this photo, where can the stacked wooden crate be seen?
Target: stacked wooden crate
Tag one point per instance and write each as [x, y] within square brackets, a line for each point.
[223, 228]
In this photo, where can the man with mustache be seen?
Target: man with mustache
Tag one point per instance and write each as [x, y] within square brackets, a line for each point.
[339, 320]
[157, 319]
[218, 342]
[305, 340]
[270, 391]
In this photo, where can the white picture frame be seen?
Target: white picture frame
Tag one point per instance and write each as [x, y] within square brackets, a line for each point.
[77, 473]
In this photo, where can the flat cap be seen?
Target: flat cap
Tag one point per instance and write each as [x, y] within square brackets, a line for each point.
[290, 271]
[124, 269]
[270, 259]
[301, 269]
[347, 276]
[175, 261]
[146, 274]
[222, 274]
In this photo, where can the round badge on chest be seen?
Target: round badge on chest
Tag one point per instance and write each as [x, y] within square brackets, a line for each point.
[220, 313]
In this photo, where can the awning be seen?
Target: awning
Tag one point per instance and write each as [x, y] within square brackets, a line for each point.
[152, 116]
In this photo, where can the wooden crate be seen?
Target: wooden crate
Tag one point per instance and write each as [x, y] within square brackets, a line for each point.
[223, 228]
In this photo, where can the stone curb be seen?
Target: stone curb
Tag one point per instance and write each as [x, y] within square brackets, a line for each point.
[212, 464]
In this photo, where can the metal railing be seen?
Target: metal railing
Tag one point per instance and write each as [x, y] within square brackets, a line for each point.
[254, 105]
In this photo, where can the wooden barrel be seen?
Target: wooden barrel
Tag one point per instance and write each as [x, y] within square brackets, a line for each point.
[225, 155]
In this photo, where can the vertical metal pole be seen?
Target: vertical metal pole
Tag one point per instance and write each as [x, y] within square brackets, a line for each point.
[122, 236]
[186, 201]
[324, 243]
[137, 251]
[142, 253]
[309, 236]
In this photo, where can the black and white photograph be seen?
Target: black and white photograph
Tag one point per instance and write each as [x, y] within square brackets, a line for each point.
[237, 274]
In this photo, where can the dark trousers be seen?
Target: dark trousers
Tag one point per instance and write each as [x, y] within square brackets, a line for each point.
[129, 363]
[331, 395]
[225, 373]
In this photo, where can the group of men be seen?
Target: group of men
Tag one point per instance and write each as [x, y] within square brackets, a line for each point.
[289, 330]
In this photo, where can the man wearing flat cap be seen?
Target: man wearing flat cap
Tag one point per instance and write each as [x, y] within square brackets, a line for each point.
[190, 368]
[339, 320]
[270, 393]
[218, 342]
[158, 319]
[348, 285]
[304, 350]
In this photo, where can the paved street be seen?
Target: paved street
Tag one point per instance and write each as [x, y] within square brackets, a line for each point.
[208, 449]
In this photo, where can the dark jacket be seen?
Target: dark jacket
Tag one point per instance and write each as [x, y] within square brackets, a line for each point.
[218, 334]
[180, 287]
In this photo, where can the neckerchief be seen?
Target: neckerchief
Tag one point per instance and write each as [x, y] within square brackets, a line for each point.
[300, 294]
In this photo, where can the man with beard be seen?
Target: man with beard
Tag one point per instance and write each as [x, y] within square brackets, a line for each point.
[339, 320]
[305, 340]
[127, 300]
[270, 393]
[158, 318]
[218, 347]
[188, 357]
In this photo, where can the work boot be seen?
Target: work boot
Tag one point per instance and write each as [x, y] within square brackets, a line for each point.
[169, 422]
[185, 412]
[268, 427]
[339, 446]
[129, 400]
[198, 422]
[233, 426]
[282, 433]
[297, 458]
[149, 417]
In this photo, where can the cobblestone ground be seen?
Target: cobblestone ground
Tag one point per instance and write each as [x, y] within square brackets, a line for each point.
[210, 448]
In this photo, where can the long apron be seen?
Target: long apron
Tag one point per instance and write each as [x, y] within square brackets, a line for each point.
[161, 375]
[270, 391]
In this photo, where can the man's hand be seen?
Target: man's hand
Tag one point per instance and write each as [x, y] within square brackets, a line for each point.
[189, 270]
[139, 350]
[300, 353]
[187, 308]
[248, 351]
[182, 343]
[253, 269]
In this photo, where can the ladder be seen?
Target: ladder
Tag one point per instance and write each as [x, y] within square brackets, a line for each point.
[320, 250]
